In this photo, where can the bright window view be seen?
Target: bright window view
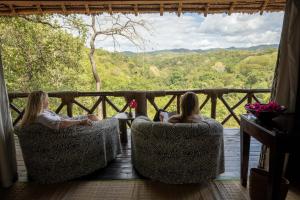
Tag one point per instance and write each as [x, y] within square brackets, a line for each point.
[146, 52]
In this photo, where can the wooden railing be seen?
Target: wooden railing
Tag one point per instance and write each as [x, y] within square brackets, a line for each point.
[105, 99]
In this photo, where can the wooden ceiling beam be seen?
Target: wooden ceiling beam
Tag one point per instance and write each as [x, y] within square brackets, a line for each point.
[263, 7]
[231, 8]
[104, 10]
[39, 9]
[16, 7]
[63, 7]
[110, 9]
[87, 8]
[179, 9]
[161, 9]
[136, 10]
[119, 2]
[11, 7]
[206, 10]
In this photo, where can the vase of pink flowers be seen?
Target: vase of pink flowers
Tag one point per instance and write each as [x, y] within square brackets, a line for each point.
[132, 105]
[265, 112]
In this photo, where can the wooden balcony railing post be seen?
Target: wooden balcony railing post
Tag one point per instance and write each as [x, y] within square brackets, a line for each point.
[178, 103]
[249, 97]
[104, 107]
[68, 99]
[141, 99]
[213, 99]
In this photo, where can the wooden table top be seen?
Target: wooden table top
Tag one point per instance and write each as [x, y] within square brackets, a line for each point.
[281, 126]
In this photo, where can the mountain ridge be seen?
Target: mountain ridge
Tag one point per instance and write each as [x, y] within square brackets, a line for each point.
[184, 50]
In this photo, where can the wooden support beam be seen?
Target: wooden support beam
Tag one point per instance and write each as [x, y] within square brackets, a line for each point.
[87, 8]
[110, 9]
[206, 10]
[161, 9]
[179, 9]
[63, 7]
[231, 8]
[263, 7]
[11, 7]
[136, 10]
[39, 9]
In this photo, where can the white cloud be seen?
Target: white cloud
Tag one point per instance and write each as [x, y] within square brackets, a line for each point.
[193, 31]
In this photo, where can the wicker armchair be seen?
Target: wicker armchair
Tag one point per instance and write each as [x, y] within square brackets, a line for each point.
[54, 156]
[178, 153]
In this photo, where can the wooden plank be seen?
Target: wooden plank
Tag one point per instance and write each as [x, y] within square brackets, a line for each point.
[136, 10]
[205, 102]
[169, 102]
[161, 9]
[59, 107]
[263, 7]
[112, 105]
[82, 106]
[131, 2]
[147, 6]
[179, 9]
[228, 108]
[234, 107]
[152, 102]
[96, 105]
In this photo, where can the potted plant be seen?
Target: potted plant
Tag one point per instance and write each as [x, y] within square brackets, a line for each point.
[265, 112]
[258, 185]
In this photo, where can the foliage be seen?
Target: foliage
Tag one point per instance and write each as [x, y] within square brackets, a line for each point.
[38, 56]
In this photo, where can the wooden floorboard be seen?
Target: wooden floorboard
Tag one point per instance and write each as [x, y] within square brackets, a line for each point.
[131, 190]
[121, 167]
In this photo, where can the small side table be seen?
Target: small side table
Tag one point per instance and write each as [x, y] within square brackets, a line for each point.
[282, 135]
[123, 120]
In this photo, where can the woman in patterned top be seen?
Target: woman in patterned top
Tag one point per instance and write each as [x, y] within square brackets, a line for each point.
[37, 112]
[189, 106]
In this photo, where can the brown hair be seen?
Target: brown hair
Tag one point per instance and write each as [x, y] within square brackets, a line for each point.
[34, 107]
[189, 105]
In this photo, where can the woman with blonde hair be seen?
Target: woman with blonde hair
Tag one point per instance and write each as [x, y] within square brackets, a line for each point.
[189, 105]
[37, 111]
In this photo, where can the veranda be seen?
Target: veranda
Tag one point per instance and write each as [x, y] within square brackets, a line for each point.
[122, 168]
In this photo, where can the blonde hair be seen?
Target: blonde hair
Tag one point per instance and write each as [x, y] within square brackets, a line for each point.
[189, 105]
[34, 107]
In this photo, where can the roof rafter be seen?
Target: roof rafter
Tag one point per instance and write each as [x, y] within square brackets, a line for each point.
[21, 7]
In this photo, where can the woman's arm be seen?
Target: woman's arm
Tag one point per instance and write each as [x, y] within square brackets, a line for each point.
[67, 123]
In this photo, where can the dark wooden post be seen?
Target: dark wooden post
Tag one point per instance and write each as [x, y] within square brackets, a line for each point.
[178, 103]
[104, 107]
[249, 97]
[213, 99]
[68, 100]
[141, 100]
[70, 109]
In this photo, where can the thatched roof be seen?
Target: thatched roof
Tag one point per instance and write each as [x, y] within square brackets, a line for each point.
[20, 7]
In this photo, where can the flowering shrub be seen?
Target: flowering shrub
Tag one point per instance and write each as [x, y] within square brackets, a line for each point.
[133, 104]
[257, 108]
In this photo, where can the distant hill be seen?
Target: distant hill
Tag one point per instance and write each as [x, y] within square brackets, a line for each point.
[184, 51]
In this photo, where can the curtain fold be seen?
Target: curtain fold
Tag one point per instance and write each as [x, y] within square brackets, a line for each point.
[285, 88]
[8, 167]
[285, 83]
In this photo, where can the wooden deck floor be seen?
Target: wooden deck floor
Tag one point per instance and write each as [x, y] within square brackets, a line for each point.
[121, 167]
[224, 188]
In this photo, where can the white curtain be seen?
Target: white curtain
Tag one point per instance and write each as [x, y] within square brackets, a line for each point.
[8, 172]
[285, 84]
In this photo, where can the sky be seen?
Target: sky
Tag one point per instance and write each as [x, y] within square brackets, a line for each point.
[194, 31]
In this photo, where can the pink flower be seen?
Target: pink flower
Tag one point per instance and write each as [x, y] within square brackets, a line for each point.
[133, 104]
[257, 108]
